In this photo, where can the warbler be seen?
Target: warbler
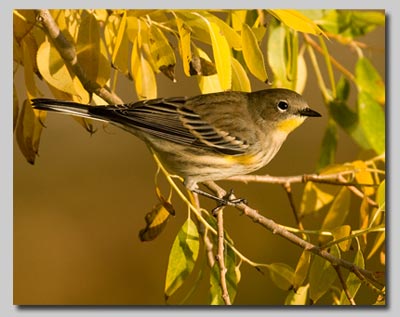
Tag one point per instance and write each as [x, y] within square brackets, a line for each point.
[207, 137]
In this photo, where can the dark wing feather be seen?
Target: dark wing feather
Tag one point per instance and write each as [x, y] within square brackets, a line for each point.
[171, 119]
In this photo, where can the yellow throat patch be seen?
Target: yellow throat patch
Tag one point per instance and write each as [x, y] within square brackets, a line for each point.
[290, 124]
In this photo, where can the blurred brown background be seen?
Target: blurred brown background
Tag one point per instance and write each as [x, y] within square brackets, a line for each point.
[79, 209]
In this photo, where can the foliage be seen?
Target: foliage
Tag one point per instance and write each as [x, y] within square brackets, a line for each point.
[225, 50]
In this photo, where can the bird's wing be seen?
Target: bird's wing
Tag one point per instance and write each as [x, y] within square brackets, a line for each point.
[176, 120]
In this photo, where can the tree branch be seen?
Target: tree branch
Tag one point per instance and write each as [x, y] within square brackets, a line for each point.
[220, 256]
[68, 53]
[330, 179]
[281, 231]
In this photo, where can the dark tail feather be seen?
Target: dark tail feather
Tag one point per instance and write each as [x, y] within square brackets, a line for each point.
[67, 107]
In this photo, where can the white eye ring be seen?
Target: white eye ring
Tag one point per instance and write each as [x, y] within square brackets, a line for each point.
[283, 106]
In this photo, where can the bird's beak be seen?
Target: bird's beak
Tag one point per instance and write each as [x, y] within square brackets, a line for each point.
[308, 112]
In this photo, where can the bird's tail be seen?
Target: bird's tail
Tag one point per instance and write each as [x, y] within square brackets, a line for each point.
[67, 107]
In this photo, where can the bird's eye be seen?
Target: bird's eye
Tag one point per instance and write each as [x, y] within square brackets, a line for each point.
[283, 106]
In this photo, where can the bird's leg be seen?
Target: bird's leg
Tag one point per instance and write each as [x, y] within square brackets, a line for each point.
[226, 200]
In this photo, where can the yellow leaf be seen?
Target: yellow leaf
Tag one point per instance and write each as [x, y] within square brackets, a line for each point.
[297, 21]
[156, 220]
[238, 18]
[222, 56]
[338, 211]
[111, 28]
[88, 45]
[228, 32]
[221, 52]
[28, 70]
[240, 81]
[161, 51]
[184, 45]
[200, 63]
[132, 26]
[282, 275]
[28, 131]
[210, 83]
[252, 54]
[298, 297]
[314, 198]
[322, 275]
[52, 68]
[301, 271]
[121, 49]
[342, 232]
[15, 107]
[364, 177]
[379, 241]
[142, 72]
[104, 71]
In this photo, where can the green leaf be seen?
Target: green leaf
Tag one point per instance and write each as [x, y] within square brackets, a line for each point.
[353, 282]
[288, 66]
[322, 275]
[315, 197]
[369, 80]
[329, 146]
[240, 81]
[252, 54]
[182, 258]
[282, 275]
[298, 297]
[301, 76]
[372, 121]
[343, 89]
[297, 21]
[232, 279]
[351, 23]
[349, 121]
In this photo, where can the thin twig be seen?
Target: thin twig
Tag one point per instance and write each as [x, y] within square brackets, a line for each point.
[359, 193]
[68, 53]
[221, 258]
[344, 285]
[334, 62]
[288, 189]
